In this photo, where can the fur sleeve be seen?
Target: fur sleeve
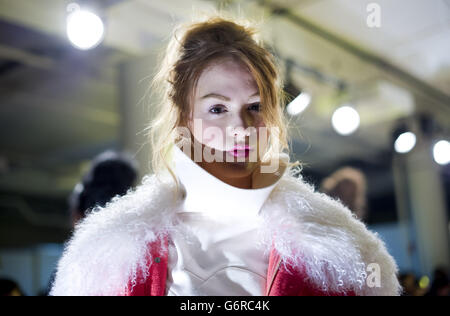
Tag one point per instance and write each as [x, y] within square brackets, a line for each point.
[108, 249]
[321, 235]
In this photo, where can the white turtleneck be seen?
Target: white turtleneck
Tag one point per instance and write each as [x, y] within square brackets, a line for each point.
[219, 253]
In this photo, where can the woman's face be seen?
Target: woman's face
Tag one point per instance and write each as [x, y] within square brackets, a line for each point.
[226, 104]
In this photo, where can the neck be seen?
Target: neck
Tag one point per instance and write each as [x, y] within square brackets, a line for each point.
[243, 183]
[239, 182]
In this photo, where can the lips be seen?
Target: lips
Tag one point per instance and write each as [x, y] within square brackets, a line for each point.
[241, 147]
[240, 151]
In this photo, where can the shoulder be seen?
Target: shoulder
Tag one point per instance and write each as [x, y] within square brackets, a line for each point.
[110, 245]
[321, 234]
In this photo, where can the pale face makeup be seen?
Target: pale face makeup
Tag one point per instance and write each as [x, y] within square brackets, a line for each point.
[226, 104]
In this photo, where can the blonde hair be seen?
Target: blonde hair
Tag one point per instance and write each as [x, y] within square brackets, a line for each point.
[194, 46]
[331, 186]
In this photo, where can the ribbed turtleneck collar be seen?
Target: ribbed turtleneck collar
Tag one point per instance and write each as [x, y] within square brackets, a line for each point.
[207, 194]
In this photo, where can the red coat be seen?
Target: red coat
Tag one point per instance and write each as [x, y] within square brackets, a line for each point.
[280, 282]
[108, 247]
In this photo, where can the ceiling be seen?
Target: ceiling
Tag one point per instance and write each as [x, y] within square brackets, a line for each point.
[59, 107]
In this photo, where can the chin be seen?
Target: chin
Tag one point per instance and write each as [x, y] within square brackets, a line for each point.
[240, 169]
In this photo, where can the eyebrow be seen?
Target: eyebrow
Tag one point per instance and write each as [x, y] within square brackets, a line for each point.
[222, 97]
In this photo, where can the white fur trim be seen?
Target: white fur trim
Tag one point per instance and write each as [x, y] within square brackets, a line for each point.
[108, 247]
[336, 248]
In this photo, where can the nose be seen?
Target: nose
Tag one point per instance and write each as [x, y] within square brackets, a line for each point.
[240, 132]
[239, 129]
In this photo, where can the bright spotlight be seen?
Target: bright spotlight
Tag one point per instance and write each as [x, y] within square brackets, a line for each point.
[84, 29]
[441, 152]
[299, 104]
[405, 142]
[345, 120]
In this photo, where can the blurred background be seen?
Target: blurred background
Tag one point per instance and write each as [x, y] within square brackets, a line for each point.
[370, 110]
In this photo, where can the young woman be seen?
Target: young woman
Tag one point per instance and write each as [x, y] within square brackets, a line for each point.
[224, 212]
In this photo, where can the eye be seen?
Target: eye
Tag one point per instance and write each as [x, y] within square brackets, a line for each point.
[255, 107]
[217, 109]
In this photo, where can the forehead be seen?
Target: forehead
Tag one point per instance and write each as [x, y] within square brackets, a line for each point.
[228, 77]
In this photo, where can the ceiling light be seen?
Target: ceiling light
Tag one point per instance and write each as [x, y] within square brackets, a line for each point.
[299, 104]
[345, 120]
[85, 29]
[405, 142]
[441, 152]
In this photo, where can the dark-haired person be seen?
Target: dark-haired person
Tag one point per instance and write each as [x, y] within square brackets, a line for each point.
[9, 287]
[111, 174]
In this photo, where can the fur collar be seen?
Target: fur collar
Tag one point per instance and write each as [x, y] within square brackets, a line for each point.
[108, 247]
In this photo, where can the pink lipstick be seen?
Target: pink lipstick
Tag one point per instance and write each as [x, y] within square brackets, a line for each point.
[240, 151]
